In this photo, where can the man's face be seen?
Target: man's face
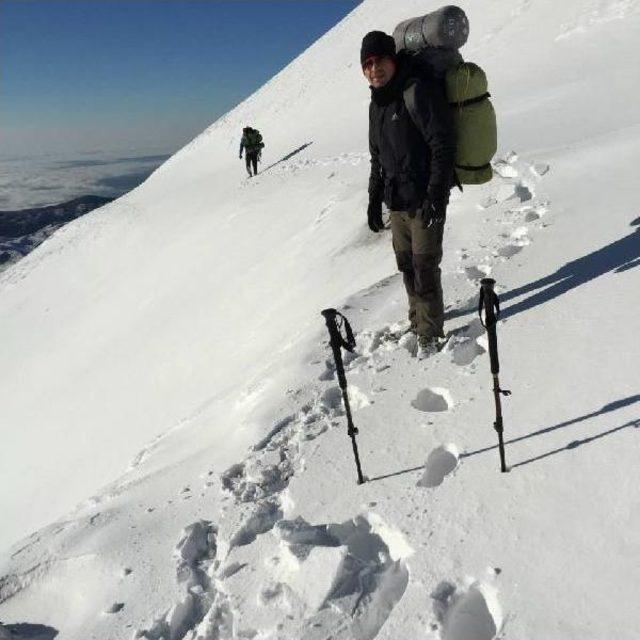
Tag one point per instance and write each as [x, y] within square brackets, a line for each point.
[378, 70]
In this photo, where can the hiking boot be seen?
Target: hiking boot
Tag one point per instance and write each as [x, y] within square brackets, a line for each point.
[427, 346]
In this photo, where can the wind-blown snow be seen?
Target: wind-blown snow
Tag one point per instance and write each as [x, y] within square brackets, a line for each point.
[166, 382]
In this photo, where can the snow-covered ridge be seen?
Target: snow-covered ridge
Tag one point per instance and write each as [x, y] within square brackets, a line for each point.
[165, 356]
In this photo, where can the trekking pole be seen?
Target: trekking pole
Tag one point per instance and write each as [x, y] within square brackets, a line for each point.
[337, 342]
[491, 304]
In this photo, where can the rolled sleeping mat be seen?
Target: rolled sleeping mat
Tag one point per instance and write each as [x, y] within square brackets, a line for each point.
[475, 122]
[447, 27]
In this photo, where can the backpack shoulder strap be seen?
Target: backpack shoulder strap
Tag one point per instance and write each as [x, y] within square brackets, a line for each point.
[410, 102]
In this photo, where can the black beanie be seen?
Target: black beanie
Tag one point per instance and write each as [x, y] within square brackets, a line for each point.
[377, 43]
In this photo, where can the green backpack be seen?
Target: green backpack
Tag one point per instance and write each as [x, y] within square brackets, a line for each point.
[432, 42]
[253, 140]
[475, 122]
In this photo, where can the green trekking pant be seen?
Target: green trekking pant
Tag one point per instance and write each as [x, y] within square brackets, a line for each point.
[418, 253]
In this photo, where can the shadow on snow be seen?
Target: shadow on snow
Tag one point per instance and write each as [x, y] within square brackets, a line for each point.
[617, 257]
[27, 631]
[288, 156]
[574, 444]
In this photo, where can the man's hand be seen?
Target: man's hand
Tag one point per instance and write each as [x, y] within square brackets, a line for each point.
[432, 213]
[374, 217]
[240, 156]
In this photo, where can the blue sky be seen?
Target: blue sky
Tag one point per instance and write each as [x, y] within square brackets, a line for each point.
[140, 76]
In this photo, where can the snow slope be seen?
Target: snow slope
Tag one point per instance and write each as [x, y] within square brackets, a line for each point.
[164, 369]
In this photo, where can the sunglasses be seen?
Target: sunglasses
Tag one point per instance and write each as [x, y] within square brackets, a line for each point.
[373, 60]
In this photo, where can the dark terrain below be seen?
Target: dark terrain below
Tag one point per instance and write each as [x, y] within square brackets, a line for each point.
[22, 231]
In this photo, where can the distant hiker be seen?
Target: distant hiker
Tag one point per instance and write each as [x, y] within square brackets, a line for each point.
[252, 144]
[412, 171]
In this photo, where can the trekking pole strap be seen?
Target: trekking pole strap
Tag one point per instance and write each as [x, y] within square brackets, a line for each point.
[490, 303]
[331, 318]
[337, 356]
[338, 342]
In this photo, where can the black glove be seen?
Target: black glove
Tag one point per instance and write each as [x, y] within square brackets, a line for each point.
[240, 156]
[432, 213]
[374, 216]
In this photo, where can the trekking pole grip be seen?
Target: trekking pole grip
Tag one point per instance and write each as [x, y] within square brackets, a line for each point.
[490, 304]
[335, 340]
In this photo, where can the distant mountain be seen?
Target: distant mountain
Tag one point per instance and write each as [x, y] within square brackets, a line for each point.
[22, 231]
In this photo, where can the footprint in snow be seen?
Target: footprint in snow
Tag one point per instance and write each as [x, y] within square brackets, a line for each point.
[409, 341]
[505, 170]
[332, 399]
[432, 400]
[348, 576]
[273, 595]
[532, 214]
[508, 192]
[232, 477]
[509, 250]
[476, 273]
[473, 330]
[440, 463]
[465, 351]
[387, 339]
[350, 360]
[258, 479]
[262, 519]
[474, 614]
[195, 553]
[330, 371]
[539, 169]
[523, 193]
[464, 345]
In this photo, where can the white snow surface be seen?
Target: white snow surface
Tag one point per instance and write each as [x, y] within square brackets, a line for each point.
[174, 460]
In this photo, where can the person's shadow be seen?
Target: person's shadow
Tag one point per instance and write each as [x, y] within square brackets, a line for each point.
[288, 156]
[27, 631]
[619, 256]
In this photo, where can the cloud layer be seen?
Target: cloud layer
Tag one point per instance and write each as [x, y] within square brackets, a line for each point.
[34, 182]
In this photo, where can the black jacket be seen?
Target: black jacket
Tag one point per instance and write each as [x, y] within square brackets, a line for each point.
[410, 161]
